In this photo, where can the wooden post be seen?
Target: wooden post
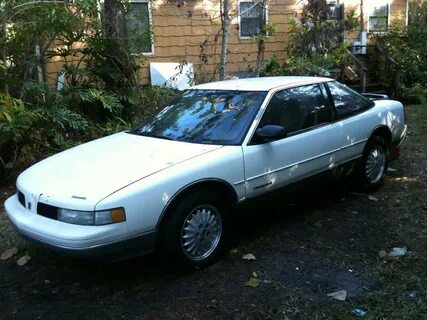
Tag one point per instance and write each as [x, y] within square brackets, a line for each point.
[396, 82]
[363, 81]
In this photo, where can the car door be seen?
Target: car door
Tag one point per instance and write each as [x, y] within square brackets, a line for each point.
[353, 124]
[308, 148]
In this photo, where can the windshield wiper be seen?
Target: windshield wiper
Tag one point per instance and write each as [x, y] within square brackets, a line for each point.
[155, 136]
[146, 134]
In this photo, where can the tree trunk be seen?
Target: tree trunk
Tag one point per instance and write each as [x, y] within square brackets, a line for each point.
[261, 40]
[4, 57]
[114, 29]
[40, 62]
[225, 23]
[113, 19]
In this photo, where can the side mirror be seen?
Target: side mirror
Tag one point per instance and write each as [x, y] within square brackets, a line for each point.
[271, 132]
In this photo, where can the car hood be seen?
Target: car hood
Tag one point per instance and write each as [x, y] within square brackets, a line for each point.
[91, 171]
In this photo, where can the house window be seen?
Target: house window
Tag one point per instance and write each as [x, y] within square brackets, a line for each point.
[250, 13]
[378, 16]
[336, 14]
[336, 10]
[138, 27]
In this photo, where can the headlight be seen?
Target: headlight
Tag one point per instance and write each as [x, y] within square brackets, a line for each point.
[91, 218]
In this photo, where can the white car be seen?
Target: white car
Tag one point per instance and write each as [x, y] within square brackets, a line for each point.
[174, 181]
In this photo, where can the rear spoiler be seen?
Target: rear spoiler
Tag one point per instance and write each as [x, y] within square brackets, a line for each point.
[375, 96]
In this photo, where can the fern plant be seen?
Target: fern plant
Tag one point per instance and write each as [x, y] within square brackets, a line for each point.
[15, 122]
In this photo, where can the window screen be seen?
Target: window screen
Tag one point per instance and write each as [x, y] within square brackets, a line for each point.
[378, 17]
[250, 18]
[138, 28]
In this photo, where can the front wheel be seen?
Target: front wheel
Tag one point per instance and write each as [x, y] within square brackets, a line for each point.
[375, 160]
[196, 232]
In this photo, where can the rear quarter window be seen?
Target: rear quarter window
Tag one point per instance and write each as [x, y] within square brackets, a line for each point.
[347, 102]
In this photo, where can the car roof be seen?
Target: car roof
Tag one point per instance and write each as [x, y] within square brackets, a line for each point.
[260, 84]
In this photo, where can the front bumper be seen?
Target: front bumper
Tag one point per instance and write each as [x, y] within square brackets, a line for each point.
[108, 242]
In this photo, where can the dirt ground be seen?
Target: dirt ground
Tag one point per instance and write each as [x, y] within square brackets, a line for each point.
[324, 242]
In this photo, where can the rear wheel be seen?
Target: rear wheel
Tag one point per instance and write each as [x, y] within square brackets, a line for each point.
[375, 160]
[195, 234]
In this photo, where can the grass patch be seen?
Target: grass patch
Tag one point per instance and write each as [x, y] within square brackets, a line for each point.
[417, 120]
[401, 289]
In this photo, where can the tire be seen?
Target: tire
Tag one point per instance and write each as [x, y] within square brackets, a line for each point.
[371, 173]
[197, 231]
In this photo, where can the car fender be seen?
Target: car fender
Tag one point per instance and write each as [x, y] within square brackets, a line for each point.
[145, 200]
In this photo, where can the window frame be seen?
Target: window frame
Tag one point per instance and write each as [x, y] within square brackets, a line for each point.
[150, 22]
[240, 21]
[328, 104]
[368, 27]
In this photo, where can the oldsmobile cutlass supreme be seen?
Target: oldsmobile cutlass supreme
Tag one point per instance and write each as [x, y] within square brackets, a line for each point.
[174, 180]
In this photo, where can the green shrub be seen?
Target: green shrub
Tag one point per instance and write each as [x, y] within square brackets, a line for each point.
[408, 46]
[15, 124]
[329, 64]
[414, 94]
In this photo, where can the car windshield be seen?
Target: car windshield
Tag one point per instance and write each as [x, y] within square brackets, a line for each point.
[205, 116]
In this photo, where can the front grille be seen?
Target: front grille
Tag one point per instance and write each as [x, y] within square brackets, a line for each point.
[21, 198]
[47, 211]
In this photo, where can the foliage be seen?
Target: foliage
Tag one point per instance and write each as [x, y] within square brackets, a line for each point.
[415, 93]
[315, 47]
[408, 46]
[15, 121]
[270, 29]
[99, 93]
[316, 32]
[329, 64]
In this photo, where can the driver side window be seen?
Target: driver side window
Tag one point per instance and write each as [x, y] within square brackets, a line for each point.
[297, 109]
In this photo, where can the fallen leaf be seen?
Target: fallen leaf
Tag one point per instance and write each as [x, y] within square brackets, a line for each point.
[398, 252]
[9, 253]
[372, 198]
[252, 282]
[359, 312]
[248, 256]
[390, 169]
[382, 253]
[234, 251]
[23, 260]
[340, 295]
